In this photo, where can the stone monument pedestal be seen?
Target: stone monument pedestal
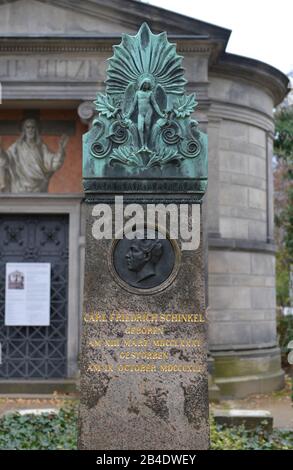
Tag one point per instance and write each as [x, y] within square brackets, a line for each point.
[144, 379]
[144, 382]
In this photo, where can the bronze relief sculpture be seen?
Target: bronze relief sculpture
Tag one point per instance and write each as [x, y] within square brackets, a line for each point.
[143, 127]
[143, 257]
[144, 262]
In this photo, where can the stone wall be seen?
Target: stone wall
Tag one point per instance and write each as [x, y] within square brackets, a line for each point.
[241, 259]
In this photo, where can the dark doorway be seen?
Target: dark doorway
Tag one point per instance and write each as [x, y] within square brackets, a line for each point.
[35, 351]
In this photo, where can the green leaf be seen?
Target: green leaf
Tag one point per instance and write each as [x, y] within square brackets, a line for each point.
[185, 106]
[105, 106]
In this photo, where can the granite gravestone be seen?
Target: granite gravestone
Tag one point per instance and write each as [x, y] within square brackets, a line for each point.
[144, 346]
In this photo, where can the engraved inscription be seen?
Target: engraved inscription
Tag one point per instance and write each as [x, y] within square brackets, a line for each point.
[48, 69]
[144, 348]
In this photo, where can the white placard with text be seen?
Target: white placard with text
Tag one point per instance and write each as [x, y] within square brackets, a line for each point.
[27, 294]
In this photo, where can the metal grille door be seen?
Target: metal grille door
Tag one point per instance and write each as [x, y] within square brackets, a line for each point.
[35, 351]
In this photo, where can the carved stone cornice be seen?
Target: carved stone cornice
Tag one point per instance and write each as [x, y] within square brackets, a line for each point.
[233, 244]
[89, 44]
[254, 71]
[237, 112]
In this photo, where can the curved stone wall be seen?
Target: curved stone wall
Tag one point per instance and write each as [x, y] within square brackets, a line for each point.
[241, 269]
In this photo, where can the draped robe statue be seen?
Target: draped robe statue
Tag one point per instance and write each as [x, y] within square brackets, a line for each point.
[28, 164]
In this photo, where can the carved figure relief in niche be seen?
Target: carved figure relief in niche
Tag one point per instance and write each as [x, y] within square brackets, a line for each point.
[28, 164]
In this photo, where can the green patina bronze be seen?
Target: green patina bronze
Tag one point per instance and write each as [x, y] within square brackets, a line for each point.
[143, 129]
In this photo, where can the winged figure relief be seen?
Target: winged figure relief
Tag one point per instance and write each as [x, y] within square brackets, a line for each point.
[145, 109]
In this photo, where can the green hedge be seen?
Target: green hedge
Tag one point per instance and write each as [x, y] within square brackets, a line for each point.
[43, 432]
[285, 334]
[238, 438]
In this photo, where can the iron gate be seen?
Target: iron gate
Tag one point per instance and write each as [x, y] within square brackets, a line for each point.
[35, 351]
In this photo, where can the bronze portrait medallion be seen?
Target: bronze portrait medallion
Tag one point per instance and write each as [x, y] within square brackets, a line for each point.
[144, 263]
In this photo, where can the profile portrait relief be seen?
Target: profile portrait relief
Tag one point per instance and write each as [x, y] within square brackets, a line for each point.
[143, 263]
[28, 164]
[143, 257]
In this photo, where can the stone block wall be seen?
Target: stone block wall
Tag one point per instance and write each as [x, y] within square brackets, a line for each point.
[241, 267]
[242, 300]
